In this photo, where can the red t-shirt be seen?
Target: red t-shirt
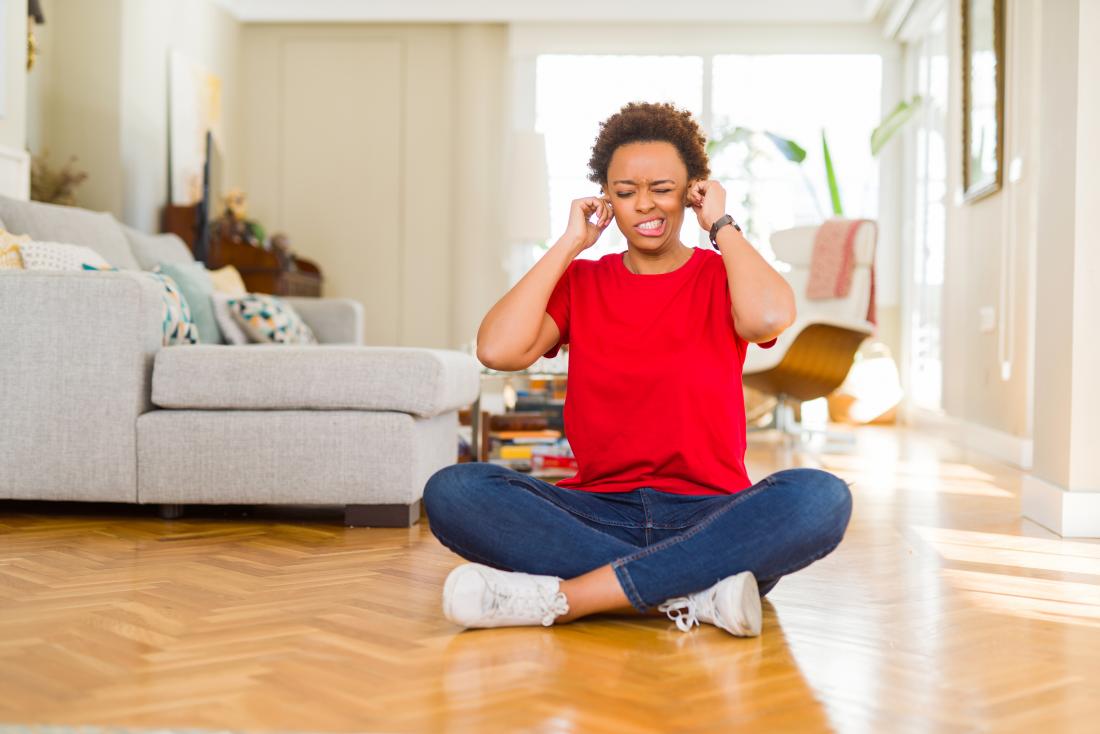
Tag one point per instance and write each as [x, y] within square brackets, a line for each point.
[654, 396]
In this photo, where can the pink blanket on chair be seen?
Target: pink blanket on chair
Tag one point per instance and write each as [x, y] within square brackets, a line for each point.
[833, 260]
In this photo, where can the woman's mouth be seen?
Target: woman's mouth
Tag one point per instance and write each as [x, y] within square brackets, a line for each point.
[651, 228]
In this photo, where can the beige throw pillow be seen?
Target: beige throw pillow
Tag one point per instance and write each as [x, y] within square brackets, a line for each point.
[228, 280]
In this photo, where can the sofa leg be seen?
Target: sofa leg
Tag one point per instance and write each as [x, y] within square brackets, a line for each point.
[382, 516]
[171, 512]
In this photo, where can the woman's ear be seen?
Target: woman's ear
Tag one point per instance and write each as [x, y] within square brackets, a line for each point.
[687, 193]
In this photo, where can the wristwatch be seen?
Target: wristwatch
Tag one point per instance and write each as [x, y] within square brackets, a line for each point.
[721, 222]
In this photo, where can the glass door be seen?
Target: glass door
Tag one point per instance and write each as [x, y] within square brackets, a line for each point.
[927, 208]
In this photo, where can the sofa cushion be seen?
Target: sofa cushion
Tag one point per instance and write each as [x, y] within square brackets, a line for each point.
[423, 382]
[52, 223]
[152, 249]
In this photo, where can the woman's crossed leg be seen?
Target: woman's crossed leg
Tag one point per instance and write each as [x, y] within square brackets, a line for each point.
[596, 543]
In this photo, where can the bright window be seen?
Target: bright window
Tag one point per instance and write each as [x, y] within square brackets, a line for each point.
[794, 96]
[574, 94]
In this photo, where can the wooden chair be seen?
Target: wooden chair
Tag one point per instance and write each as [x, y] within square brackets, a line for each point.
[812, 358]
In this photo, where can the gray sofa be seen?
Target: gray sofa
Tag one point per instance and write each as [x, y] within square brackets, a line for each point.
[93, 408]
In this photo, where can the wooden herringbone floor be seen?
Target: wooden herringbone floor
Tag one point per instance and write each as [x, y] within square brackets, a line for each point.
[941, 611]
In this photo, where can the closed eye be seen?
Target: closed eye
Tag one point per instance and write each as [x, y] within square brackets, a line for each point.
[625, 194]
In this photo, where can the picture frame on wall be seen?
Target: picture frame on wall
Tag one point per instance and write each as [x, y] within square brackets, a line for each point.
[983, 64]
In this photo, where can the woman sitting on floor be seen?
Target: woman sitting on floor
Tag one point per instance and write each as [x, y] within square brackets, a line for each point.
[661, 512]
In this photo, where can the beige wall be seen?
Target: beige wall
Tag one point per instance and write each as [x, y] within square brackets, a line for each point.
[977, 235]
[376, 148]
[13, 121]
[73, 95]
[209, 36]
[101, 94]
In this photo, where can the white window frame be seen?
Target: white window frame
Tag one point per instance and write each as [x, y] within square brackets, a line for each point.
[918, 24]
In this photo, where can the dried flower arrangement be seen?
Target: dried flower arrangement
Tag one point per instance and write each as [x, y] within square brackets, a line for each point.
[55, 186]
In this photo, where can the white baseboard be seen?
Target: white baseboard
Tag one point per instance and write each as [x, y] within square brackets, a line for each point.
[1014, 450]
[1071, 514]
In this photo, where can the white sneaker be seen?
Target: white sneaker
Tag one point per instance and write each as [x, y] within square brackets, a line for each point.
[732, 604]
[475, 595]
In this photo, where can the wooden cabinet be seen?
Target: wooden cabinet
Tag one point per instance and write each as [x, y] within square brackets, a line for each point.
[263, 271]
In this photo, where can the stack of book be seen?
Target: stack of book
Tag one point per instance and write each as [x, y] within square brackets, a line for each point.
[522, 441]
[522, 444]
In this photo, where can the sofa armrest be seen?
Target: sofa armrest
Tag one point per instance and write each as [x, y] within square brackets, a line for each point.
[333, 320]
[76, 356]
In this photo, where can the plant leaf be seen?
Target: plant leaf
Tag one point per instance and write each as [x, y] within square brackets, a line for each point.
[830, 174]
[894, 122]
[791, 150]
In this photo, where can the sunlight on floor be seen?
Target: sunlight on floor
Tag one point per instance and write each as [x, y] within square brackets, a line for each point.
[1067, 602]
[1010, 550]
[893, 465]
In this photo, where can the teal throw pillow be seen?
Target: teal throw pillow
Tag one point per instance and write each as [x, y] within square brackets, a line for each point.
[197, 287]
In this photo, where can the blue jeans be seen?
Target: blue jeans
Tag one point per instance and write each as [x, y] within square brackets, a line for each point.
[660, 545]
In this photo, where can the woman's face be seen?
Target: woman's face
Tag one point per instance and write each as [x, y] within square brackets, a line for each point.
[647, 185]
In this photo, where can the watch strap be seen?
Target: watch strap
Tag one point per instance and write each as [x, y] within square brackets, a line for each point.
[718, 224]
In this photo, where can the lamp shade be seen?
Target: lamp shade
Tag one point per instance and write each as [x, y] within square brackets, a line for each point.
[528, 188]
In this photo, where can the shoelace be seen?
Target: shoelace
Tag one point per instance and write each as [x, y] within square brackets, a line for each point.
[528, 603]
[681, 610]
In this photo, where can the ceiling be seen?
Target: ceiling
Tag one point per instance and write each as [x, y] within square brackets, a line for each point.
[508, 11]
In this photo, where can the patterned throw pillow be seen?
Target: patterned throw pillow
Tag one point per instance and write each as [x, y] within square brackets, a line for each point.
[177, 326]
[267, 319]
[58, 256]
[10, 259]
[228, 325]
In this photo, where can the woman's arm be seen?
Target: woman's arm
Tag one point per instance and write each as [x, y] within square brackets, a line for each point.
[763, 302]
[512, 335]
